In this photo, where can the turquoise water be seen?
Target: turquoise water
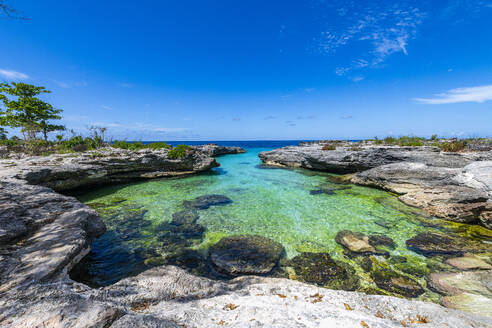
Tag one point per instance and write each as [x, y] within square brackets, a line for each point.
[276, 203]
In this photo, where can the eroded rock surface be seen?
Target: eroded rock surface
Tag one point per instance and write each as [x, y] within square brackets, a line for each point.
[216, 150]
[70, 171]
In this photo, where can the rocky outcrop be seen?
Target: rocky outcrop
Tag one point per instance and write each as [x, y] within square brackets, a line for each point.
[216, 150]
[452, 186]
[169, 297]
[70, 171]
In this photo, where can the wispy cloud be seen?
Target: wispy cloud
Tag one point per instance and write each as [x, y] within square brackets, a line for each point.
[125, 85]
[380, 28]
[470, 94]
[270, 118]
[106, 107]
[67, 85]
[347, 117]
[13, 75]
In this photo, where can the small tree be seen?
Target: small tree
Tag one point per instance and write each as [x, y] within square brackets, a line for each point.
[27, 112]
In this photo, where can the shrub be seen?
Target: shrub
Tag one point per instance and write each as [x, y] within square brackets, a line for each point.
[434, 137]
[139, 145]
[410, 141]
[178, 152]
[329, 147]
[453, 146]
[390, 140]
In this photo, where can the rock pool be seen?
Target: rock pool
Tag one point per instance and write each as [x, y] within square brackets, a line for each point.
[166, 222]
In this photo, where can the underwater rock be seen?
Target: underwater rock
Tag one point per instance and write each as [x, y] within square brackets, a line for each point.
[355, 241]
[381, 240]
[383, 223]
[322, 270]
[189, 260]
[188, 216]
[393, 282]
[468, 291]
[321, 191]
[397, 259]
[245, 254]
[204, 202]
[468, 263]
[430, 244]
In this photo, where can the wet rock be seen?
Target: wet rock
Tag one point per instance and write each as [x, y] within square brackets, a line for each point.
[191, 261]
[381, 240]
[430, 244]
[468, 263]
[321, 191]
[393, 282]
[322, 270]
[188, 216]
[468, 291]
[355, 242]
[204, 202]
[245, 254]
[468, 302]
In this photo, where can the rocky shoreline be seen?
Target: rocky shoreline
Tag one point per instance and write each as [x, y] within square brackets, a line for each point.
[43, 234]
[452, 186]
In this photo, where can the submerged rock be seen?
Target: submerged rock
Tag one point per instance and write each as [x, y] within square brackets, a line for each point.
[396, 283]
[322, 191]
[185, 217]
[381, 240]
[469, 263]
[245, 254]
[322, 270]
[355, 241]
[468, 291]
[430, 244]
[204, 202]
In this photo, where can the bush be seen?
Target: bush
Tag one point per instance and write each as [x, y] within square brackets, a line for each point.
[390, 140]
[453, 146]
[434, 137]
[329, 147]
[139, 145]
[178, 152]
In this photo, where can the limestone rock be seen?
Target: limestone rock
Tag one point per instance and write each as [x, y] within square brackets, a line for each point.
[355, 242]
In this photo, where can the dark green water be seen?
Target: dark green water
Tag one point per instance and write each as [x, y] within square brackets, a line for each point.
[276, 203]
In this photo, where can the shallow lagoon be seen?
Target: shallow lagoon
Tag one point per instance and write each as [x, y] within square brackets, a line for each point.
[276, 203]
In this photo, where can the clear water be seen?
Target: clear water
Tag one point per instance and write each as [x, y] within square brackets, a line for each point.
[275, 203]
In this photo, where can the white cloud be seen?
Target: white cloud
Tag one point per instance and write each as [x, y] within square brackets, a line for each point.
[459, 95]
[13, 75]
[62, 84]
[106, 107]
[125, 85]
[380, 29]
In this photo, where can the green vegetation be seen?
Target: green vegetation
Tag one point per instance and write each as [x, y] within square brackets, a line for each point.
[22, 109]
[404, 141]
[178, 152]
[139, 145]
[329, 147]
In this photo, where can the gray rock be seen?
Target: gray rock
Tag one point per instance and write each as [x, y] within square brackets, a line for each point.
[216, 150]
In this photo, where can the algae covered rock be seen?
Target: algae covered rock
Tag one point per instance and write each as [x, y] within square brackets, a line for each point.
[430, 244]
[204, 202]
[322, 270]
[396, 283]
[188, 216]
[245, 254]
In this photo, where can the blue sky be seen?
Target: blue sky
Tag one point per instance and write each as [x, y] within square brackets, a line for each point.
[240, 70]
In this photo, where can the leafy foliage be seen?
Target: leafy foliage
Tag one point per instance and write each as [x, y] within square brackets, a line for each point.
[453, 146]
[178, 152]
[24, 110]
